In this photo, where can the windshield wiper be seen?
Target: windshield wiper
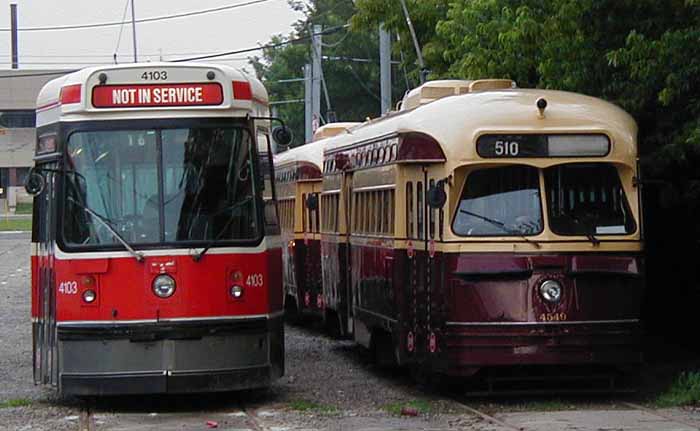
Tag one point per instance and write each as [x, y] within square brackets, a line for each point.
[198, 256]
[502, 226]
[588, 230]
[137, 255]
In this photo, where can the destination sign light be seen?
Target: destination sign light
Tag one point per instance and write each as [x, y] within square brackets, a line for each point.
[157, 95]
[528, 146]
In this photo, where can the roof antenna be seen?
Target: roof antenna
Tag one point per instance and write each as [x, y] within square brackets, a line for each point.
[416, 44]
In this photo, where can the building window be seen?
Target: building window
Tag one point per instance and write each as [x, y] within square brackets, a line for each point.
[18, 119]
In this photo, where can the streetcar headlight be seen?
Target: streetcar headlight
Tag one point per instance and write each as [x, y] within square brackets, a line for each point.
[89, 296]
[236, 291]
[164, 286]
[551, 291]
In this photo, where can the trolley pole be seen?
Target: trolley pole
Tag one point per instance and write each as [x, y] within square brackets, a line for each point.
[316, 74]
[385, 68]
[416, 44]
[133, 30]
[308, 109]
[13, 28]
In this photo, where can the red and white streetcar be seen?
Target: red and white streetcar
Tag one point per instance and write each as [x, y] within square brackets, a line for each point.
[156, 251]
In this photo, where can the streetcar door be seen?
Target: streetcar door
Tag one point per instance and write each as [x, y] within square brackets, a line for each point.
[44, 330]
[347, 286]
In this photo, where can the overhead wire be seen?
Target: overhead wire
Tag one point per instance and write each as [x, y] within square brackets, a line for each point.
[216, 55]
[262, 47]
[121, 29]
[139, 21]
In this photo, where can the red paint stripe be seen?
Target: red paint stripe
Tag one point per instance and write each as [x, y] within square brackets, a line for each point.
[48, 106]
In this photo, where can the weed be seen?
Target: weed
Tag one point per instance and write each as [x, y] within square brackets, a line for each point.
[305, 406]
[684, 391]
[17, 402]
[422, 406]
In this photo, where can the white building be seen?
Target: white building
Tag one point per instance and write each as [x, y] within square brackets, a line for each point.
[18, 91]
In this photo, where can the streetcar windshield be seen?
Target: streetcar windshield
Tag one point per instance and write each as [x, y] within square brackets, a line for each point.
[502, 201]
[587, 199]
[155, 186]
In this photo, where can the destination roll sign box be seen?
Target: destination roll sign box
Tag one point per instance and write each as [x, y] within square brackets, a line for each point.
[157, 95]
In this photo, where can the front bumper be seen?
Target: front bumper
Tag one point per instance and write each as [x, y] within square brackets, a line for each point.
[150, 358]
[472, 346]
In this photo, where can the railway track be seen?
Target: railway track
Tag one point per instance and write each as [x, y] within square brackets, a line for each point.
[87, 420]
[516, 427]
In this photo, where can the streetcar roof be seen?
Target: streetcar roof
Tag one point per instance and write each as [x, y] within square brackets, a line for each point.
[253, 100]
[308, 154]
[456, 122]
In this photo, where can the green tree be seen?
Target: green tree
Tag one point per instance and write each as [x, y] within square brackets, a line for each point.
[353, 87]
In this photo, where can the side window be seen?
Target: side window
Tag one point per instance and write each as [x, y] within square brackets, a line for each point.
[392, 208]
[420, 210]
[409, 209]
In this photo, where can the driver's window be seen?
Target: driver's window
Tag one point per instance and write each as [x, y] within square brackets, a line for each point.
[114, 174]
[503, 201]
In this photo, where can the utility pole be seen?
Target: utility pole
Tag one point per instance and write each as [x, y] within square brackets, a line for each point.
[416, 44]
[13, 28]
[133, 30]
[316, 75]
[308, 108]
[385, 68]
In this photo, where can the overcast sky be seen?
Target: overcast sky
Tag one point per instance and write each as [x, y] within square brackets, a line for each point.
[227, 30]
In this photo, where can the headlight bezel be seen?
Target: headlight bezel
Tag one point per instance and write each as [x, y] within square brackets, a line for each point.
[551, 291]
[156, 286]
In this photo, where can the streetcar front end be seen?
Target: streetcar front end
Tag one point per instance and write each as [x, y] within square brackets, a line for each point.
[157, 255]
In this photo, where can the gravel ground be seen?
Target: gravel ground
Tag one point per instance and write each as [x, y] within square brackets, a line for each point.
[37, 408]
[329, 385]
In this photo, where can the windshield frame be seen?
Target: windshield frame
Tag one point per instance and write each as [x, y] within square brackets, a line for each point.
[504, 230]
[625, 197]
[68, 129]
[546, 227]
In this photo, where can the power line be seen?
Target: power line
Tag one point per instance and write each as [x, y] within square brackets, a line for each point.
[204, 57]
[261, 47]
[138, 21]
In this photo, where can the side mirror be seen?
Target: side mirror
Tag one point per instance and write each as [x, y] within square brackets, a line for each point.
[283, 136]
[312, 202]
[436, 196]
[35, 183]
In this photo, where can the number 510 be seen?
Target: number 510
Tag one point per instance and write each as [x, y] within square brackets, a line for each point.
[507, 148]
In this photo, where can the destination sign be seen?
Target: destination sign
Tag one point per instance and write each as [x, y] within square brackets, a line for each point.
[157, 95]
[531, 145]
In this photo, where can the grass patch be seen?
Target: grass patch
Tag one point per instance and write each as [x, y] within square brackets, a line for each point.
[24, 208]
[684, 391]
[310, 406]
[422, 406]
[18, 402]
[15, 224]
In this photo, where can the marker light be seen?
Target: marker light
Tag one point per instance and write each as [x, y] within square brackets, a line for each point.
[236, 276]
[164, 286]
[236, 291]
[70, 94]
[89, 296]
[551, 291]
